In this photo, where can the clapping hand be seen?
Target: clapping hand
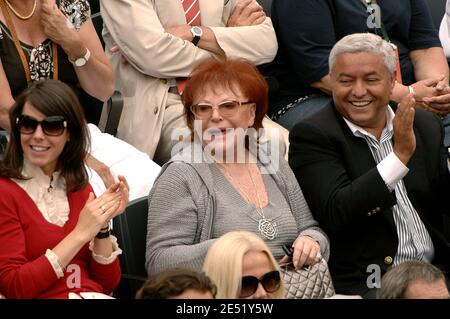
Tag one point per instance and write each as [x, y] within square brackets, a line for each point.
[404, 137]
[97, 212]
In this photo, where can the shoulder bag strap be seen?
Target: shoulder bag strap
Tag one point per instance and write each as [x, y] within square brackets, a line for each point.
[19, 49]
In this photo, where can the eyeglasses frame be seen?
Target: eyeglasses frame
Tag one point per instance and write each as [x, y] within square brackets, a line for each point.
[191, 108]
[39, 123]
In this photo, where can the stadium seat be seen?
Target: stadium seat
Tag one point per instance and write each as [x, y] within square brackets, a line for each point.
[130, 228]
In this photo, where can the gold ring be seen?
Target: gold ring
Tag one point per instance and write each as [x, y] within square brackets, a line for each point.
[103, 208]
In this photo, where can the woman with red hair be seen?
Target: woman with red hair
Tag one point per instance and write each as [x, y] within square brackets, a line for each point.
[226, 178]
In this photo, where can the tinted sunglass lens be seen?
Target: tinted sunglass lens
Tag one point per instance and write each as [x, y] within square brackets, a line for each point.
[53, 125]
[248, 286]
[271, 281]
[27, 125]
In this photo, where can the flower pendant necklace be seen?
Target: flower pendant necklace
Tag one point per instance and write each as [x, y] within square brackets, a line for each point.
[267, 227]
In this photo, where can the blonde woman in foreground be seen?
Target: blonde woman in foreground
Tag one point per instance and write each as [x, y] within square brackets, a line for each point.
[242, 266]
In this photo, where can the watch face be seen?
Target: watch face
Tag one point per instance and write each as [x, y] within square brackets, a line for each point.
[197, 31]
[80, 62]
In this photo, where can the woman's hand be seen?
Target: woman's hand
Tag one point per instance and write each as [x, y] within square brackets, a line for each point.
[124, 190]
[59, 29]
[97, 212]
[306, 252]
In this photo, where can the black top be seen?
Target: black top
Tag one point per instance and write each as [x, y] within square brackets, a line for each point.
[41, 68]
[308, 29]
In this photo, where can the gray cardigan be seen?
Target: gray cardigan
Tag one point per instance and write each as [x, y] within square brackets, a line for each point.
[182, 208]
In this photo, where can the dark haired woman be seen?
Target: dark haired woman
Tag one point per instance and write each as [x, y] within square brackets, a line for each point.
[54, 233]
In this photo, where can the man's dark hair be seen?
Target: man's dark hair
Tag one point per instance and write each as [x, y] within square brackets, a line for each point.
[173, 282]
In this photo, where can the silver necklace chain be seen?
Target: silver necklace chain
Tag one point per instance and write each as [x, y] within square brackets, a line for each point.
[267, 227]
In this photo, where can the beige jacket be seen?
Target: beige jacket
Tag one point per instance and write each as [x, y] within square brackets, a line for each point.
[155, 57]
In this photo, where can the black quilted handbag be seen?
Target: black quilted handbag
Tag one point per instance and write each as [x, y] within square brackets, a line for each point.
[311, 282]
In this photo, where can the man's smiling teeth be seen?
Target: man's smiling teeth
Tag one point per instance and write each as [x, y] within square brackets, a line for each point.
[360, 103]
[39, 148]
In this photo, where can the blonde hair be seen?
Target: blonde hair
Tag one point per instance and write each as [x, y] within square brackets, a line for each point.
[223, 263]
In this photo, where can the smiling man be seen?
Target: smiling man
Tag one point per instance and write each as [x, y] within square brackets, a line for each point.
[377, 181]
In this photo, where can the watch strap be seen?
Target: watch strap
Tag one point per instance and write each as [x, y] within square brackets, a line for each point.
[196, 40]
[85, 57]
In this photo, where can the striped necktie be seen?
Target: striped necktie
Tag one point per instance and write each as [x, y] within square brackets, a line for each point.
[191, 11]
[192, 14]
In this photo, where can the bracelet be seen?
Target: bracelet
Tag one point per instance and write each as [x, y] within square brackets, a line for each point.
[410, 89]
[102, 235]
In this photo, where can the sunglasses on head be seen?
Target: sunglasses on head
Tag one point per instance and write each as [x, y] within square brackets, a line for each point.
[52, 125]
[270, 281]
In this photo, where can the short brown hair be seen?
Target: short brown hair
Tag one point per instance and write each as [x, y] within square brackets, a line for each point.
[395, 282]
[51, 97]
[173, 282]
[230, 74]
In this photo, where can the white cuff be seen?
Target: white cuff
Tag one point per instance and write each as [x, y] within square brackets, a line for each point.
[392, 170]
[106, 260]
[54, 261]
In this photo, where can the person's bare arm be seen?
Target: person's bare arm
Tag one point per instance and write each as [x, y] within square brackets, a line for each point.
[6, 100]
[324, 84]
[96, 77]
[429, 63]
[101, 169]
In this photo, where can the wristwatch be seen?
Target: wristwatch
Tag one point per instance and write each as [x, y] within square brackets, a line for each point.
[197, 33]
[82, 60]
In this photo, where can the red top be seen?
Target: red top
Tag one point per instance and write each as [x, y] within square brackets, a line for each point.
[25, 235]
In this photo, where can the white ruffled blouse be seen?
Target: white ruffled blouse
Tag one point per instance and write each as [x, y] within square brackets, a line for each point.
[50, 197]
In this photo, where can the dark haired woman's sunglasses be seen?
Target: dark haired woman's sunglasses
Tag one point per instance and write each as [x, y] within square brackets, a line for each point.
[52, 125]
[270, 281]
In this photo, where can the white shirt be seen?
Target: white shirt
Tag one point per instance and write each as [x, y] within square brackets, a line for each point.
[414, 241]
[122, 159]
